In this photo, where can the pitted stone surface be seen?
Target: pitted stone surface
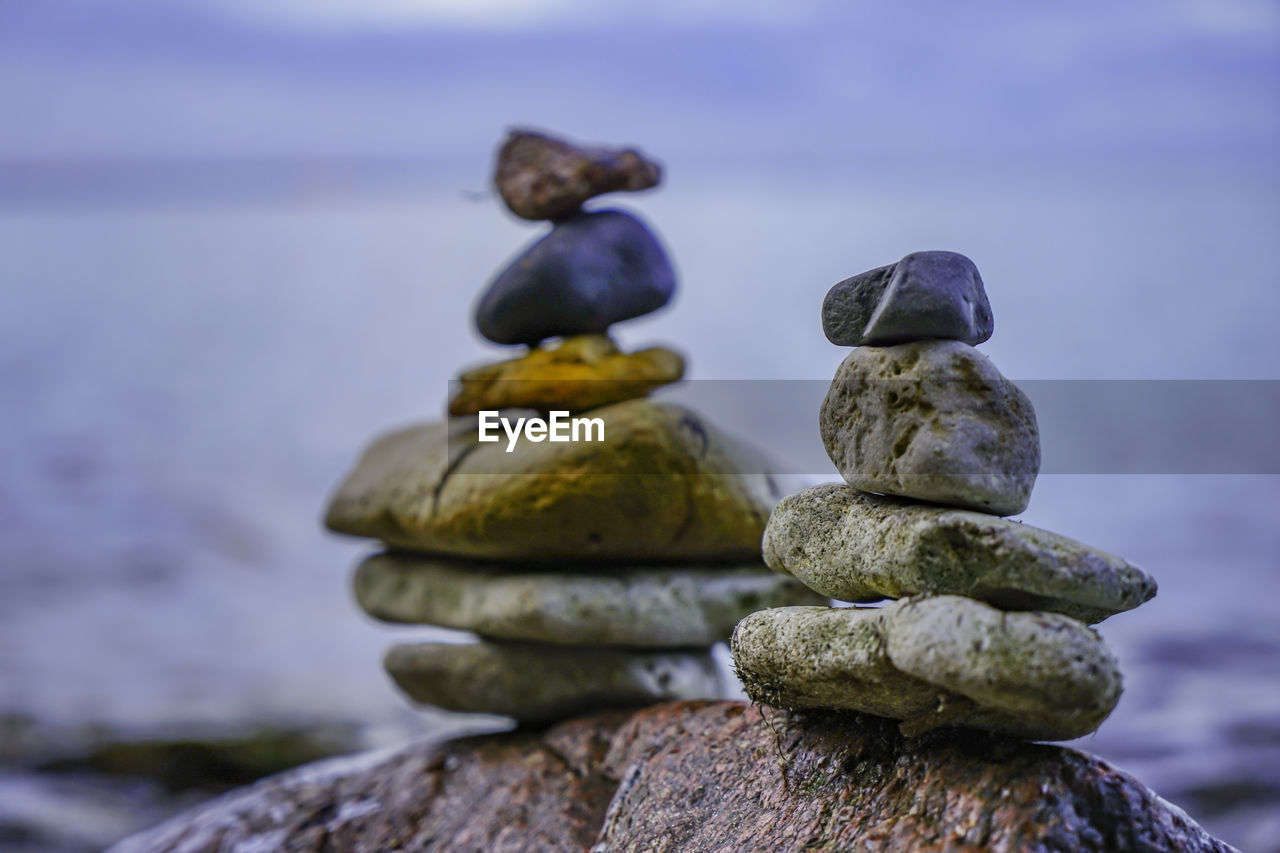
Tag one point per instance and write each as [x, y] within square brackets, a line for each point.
[934, 421]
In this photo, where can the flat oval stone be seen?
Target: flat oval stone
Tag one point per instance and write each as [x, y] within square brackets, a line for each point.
[536, 684]
[591, 271]
[924, 296]
[664, 485]
[580, 373]
[855, 546]
[639, 607]
[540, 177]
[932, 661]
[934, 421]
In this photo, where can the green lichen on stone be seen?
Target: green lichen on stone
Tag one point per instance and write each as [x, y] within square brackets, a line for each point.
[664, 485]
[932, 660]
[859, 547]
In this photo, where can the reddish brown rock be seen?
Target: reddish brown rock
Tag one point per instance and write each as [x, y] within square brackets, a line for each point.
[697, 777]
[540, 177]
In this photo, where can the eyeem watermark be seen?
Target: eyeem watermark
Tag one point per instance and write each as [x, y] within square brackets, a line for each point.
[558, 426]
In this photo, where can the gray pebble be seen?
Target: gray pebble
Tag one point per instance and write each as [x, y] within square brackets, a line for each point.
[542, 683]
[934, 421]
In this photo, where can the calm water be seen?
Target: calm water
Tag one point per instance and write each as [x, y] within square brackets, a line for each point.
[182, 384]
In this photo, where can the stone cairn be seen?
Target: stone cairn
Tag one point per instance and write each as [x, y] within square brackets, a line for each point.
[989, 626]
[591, 574]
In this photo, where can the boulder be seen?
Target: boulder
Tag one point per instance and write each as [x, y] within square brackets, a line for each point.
[590, 271]
[639, 607]
[536, 684]
[858, 547]
[697, 778]
[934, 421]
[664, 485]
[580, 373]
[541, 177]
[933, 661]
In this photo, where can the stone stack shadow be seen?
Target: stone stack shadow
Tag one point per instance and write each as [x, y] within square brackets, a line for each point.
[988, 619]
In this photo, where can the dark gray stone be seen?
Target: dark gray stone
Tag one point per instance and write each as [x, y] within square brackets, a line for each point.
[924, 296]
[591, 271]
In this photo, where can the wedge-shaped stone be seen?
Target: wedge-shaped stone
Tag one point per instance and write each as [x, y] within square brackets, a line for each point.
[663, 485]
[854, 546]
[933, 421]
[636, 607]
[933, 661]
[926, 295]
[543, 683]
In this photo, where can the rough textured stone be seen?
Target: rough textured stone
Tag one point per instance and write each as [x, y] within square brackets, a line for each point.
[933, 661]
[610, 606]
[926, 295]
[663, 485]
[580, 373]
[858, 547]
[933, 421]
[591, 271]
[697, 778]
[542, 683]
[541, 177]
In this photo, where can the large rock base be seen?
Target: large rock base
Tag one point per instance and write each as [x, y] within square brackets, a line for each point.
[697, 777]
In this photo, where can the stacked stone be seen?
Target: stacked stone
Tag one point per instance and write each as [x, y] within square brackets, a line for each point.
[589, 574]
[989, 623]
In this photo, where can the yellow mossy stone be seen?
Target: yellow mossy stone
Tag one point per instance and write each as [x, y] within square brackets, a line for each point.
[580, 373]
[663, 485]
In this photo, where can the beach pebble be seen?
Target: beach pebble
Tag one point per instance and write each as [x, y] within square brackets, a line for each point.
[604, 605]
[579, 373]
[591, 271]
[663, 485]
[541, 177]
[935, 421]
[933, 661]
[854, 546]
[926, 295]
[542, 683]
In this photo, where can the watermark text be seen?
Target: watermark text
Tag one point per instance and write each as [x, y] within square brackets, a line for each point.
[557, 426]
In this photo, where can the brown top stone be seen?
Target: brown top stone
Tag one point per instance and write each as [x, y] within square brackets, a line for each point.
[541, 177]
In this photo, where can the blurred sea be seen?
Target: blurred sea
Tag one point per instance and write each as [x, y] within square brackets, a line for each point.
[184, 379]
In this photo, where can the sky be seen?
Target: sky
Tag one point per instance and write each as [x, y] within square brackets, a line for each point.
[727, 83]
